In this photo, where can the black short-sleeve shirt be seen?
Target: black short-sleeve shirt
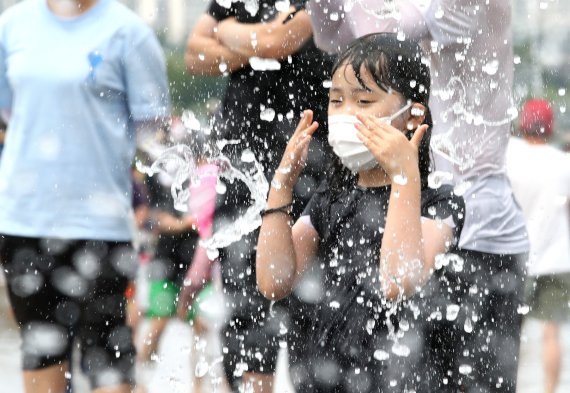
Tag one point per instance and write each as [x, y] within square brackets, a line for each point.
[350, 224]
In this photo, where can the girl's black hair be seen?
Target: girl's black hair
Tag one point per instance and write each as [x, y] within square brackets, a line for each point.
[395, 65]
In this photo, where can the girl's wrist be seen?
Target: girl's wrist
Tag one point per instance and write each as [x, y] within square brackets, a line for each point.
[279, 197]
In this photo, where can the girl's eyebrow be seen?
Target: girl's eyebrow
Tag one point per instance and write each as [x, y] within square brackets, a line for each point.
[354, 90]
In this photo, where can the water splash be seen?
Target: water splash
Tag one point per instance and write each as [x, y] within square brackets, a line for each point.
[463, 112]
[388, 10]
[251, 219]
[178, 162]
[437, 178]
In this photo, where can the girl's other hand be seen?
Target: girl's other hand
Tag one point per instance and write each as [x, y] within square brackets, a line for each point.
[295, 156]
[394, 152]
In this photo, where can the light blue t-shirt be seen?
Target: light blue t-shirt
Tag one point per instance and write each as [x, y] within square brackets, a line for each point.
[75, 88]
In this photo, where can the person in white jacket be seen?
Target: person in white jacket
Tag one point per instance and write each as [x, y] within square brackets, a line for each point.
[469, 48]
[540, 175]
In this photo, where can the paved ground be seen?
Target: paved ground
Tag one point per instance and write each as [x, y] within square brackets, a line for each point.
[173, 368]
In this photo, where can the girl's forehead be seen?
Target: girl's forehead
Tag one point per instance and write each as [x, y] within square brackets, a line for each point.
[345, 76]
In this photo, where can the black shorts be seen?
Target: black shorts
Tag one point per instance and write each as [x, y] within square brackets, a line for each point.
[250, 336]
[476, 347]
[66, 291]
[173, 255]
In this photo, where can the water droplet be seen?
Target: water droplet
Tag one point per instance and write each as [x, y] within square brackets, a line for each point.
[223, 67]
[349, 242]
[517, 59]
[260, 64]
[456, 262]
[401, 180]
[327, 84]
[438, 178]
[452, 311]
[380, 354]
[491, 67]
[276, 184]
[247, 156]
[465, 369]
[201, 56]
[439, 13]
[268, 114]
[432, 211]
[401, 36]
[334, 304]
[461, 188]
[212, 253]
[400, 350]
[221, 187]
[523, 309]
[370, 325]
[561, 92]
[333, 16]
[201, 368]
[282, 5]
[404, 325]
[468, 326]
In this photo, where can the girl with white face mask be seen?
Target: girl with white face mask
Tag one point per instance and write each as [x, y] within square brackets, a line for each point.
[374, 224]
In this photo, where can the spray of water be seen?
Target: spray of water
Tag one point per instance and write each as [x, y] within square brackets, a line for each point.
[180, 164]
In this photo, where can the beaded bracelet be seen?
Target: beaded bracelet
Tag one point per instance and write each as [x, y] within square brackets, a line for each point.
[286, 209]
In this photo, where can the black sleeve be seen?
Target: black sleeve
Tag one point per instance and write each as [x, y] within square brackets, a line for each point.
[316, 209]
[443, 204]
[218, 12]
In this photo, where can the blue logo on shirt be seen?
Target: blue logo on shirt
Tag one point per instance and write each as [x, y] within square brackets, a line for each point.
[95, 59]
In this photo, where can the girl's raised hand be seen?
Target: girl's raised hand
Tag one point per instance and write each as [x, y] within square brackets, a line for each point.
[296, 152]
[396, 154]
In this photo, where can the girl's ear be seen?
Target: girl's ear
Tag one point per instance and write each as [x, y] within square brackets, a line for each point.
[417, 116]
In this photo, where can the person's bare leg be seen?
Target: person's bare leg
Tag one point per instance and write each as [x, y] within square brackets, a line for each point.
[115, 389]
[46, 380]
[152, 338]
[261, 383]
[199, 334]
[552, 356]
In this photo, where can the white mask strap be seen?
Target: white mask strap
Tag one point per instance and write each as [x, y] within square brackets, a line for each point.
[402, 110]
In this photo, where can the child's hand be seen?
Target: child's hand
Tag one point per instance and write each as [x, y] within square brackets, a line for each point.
[295, 155]
[396, 154]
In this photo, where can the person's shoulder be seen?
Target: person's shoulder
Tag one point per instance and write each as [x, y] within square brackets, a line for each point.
[126, 20]
[22, 9]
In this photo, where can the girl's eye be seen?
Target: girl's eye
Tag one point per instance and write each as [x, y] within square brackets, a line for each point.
[365, 102]
[335, 100]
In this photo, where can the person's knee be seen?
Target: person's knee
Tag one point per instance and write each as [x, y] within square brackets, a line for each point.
[44, 344]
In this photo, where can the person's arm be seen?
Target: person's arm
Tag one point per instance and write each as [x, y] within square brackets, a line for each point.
[271, 40]
[409, 248]
[283, 253]
[204, 53]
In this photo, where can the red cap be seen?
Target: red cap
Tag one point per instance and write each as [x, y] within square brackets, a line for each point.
[536, 118]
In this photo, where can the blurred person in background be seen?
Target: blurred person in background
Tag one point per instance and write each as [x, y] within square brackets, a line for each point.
[540, 175]
[81, 83]
[2, 135]
[469, 48]
[176, 240]
[275, 71]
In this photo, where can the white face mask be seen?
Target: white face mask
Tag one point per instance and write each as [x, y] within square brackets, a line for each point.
[345, 143]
